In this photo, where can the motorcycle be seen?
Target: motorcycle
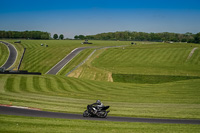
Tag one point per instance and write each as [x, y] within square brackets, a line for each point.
[93, 112]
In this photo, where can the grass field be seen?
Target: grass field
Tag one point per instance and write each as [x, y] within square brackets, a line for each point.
[143, 59]
[46, 125]
[165, 85]
[57, 93]
[159, 59]
[4, 52]
[41, 59]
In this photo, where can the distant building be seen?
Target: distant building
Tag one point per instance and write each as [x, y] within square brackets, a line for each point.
[86, 42]
[17, 41]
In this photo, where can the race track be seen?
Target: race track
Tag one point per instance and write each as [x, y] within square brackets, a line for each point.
[12, 55]
[54, 70]
[37, 113]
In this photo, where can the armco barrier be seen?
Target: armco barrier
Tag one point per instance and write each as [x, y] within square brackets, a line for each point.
[21, 59]
[21, 72]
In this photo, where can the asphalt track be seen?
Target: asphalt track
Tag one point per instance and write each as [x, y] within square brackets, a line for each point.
[54, 70]
[37, 113]
[12, 55]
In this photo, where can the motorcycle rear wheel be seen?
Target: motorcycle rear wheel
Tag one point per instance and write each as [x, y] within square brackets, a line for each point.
[102, 114]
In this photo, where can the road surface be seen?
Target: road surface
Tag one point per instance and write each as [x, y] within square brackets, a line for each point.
[12, 55]
[54, 70]
[37, 113]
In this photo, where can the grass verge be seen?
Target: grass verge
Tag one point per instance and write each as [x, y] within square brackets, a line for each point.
[3, 54]
[17, 124]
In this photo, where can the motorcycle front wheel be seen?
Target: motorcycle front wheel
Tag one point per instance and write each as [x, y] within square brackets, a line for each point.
[86, 113]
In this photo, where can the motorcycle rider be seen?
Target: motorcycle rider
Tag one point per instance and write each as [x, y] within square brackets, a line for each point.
[97, 106]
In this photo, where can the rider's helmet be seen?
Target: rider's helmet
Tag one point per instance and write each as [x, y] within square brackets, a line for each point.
[98, 101]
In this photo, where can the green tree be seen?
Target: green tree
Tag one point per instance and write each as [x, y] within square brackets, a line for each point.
[45, 36]
[55, 36]
[76, 37]
[61, 36]
[25, 34]
[81, 37]
[197, 38]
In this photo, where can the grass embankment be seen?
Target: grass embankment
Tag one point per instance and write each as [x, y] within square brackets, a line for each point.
[143, 59]
[4, 52]
[87, 71]
[47, 125]
[57, 93]
[159, 59]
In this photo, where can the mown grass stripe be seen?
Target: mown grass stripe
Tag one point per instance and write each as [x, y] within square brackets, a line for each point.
[36, 84]
[9, 84]
[74, 86]
[29, 84]
[17, 84]
[173, 56]
[158, 55]
[23, 84]
[67, 84]
[143, 57]
[54, 85]
[49, 85]
[60, 84]
[92, 87]
[84, 85]
[176, 56]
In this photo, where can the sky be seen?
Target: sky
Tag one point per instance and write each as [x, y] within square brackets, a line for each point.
[89, 17]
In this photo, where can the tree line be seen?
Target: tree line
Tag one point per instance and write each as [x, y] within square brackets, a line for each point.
[25, 34]
[143, 36]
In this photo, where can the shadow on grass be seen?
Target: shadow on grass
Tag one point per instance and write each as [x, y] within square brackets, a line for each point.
[149, 79]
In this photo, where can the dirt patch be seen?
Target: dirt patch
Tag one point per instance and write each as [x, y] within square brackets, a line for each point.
[191, 53]
[76, 73]
[110, 79]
